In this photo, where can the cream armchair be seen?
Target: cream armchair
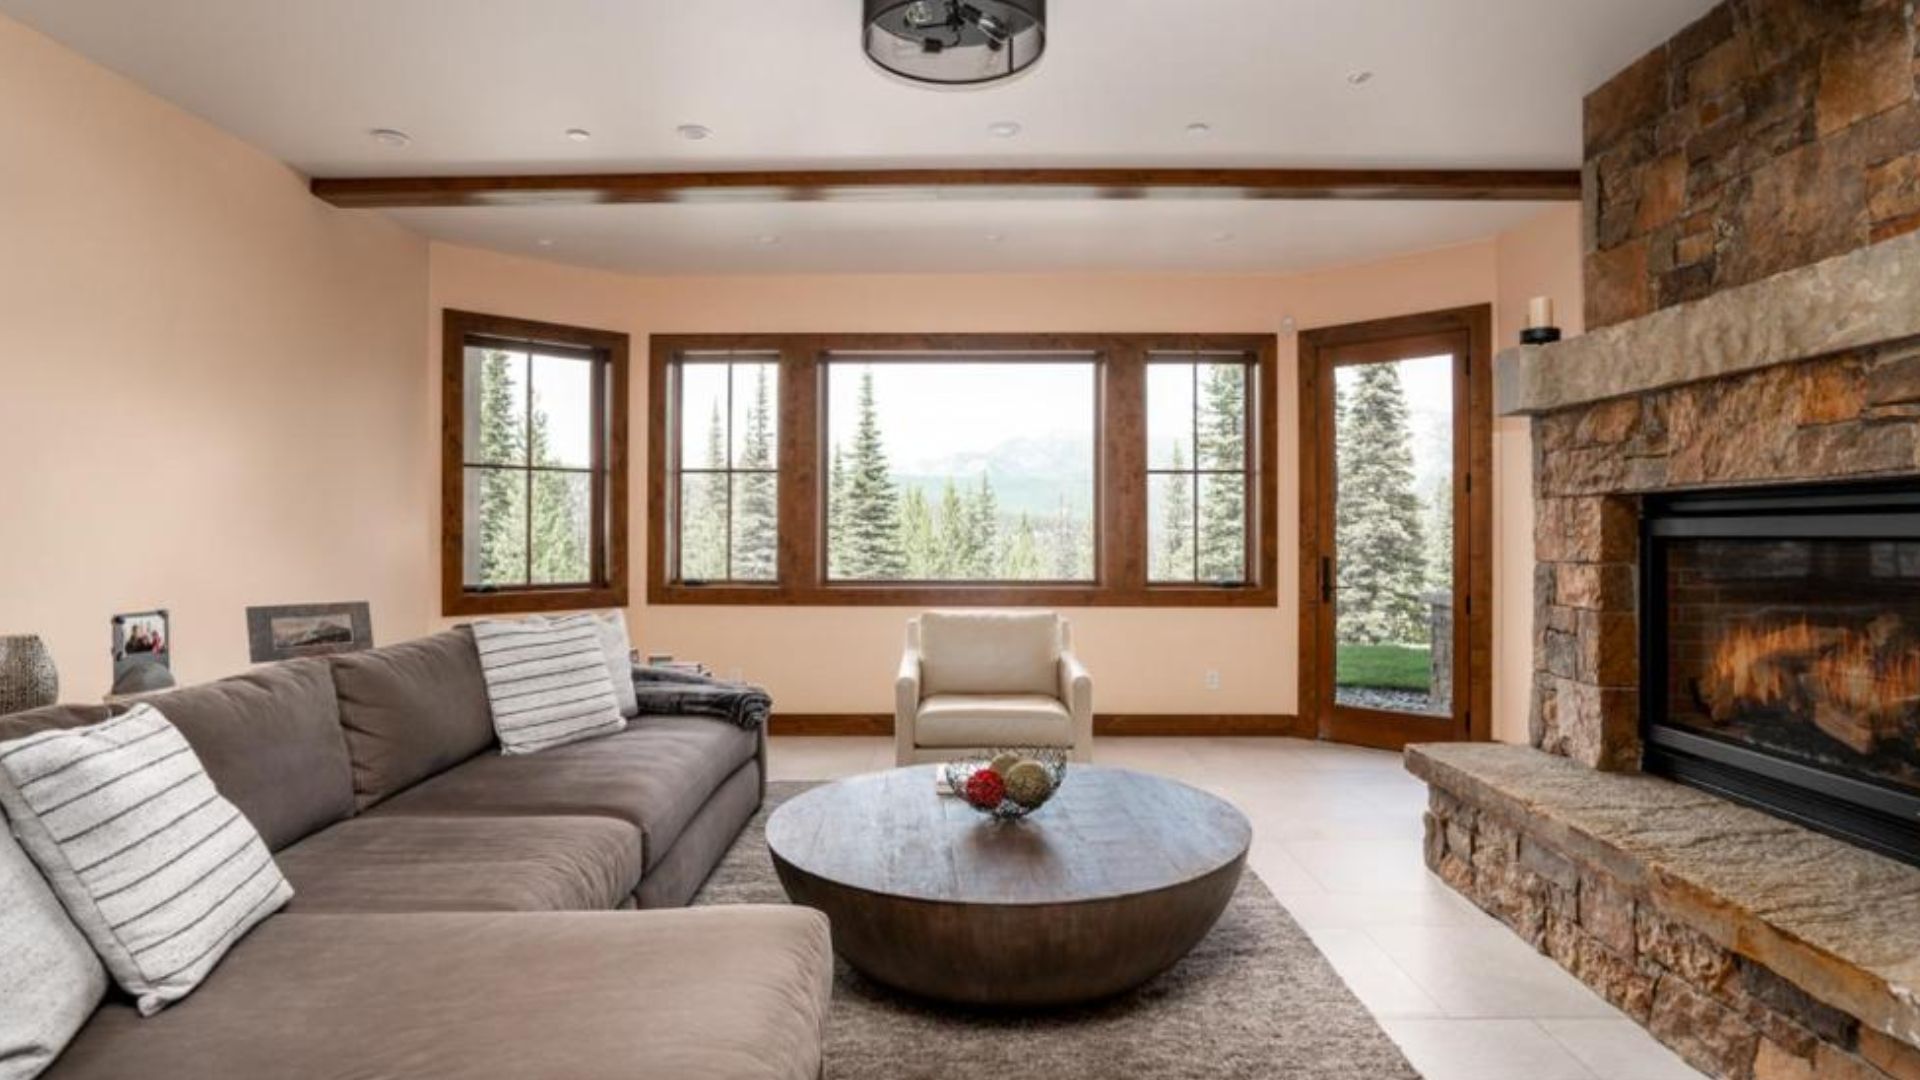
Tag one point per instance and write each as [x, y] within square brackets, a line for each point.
[972, 681]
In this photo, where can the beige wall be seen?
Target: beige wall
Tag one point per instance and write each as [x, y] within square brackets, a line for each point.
[210, 384]
[216, 391]
[1540, 258]
[1146, 660]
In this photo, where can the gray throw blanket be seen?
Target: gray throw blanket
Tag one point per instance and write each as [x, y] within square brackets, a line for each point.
[663, 692]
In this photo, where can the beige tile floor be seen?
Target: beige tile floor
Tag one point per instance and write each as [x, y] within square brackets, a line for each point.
[1337, 838]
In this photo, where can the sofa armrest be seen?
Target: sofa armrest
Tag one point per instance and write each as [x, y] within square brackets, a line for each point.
[906, 704]
[1076, 692]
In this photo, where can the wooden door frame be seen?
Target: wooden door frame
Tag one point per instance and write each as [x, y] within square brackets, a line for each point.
[1473, 530]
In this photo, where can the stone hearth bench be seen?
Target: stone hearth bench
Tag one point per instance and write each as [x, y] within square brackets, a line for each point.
[1753, 947]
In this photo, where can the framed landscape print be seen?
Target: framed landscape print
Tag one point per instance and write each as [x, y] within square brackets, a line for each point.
[290, 631]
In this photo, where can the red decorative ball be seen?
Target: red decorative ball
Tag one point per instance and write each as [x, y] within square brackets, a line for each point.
[985, 789]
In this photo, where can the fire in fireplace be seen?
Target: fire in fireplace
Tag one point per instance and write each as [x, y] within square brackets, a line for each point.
[1781, 653]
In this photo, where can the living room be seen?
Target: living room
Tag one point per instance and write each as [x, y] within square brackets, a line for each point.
[882, 539]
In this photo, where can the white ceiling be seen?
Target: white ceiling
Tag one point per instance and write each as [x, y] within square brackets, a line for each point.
[492, 86]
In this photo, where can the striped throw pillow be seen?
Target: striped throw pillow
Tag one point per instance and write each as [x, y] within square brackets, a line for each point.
[547, 681]
[159, 871]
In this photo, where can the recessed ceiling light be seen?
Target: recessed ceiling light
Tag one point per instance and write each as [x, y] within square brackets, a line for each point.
[1359, 78]
[1003, 129]
[390, 136]
[545, 241]
[579, 134]
[1199, 128]
[994, 237]
[767, 238]
[694, 132]
[1221, 237]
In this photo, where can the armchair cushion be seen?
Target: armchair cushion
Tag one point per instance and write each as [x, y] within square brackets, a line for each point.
[987, 720]
[992, 652]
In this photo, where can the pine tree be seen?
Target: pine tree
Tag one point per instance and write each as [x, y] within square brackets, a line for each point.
[874, 551]
[1065, 552]
[953, 540]
[1021, 559]
[560, 510]
[982, 532]
[1380, 536]
[1175, 561]
[837, 516]
[918, 538]
[503, 494]
[703, 534]
[1223, 499]
[756, 511]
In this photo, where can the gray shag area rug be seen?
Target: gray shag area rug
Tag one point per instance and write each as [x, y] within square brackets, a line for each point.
[1255, 999]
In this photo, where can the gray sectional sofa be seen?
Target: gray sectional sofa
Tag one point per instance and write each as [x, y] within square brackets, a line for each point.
[454, 910]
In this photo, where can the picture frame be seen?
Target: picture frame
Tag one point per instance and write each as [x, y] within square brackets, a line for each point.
[291, 631]
[140, 639]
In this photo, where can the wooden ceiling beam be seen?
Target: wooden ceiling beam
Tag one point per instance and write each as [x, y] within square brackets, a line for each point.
[896, 185]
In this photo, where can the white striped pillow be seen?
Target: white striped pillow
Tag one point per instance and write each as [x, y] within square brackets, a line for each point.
[159, 871]
[547, 681]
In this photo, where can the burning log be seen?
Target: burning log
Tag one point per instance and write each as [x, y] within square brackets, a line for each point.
[1858, 686]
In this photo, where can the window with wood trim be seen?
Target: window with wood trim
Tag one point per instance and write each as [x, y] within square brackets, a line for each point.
[1198, 467]
[533, 514]
[727, 476]
[964, 469]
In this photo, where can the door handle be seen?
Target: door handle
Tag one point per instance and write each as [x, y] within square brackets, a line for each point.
[1326, 579]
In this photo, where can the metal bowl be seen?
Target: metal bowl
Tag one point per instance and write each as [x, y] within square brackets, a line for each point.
[955, 774]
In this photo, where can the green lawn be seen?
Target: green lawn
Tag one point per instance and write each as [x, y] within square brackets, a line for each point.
[1395, 667]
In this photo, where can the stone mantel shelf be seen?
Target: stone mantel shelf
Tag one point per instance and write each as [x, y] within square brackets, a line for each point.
[1866, 297]
[1841, 923]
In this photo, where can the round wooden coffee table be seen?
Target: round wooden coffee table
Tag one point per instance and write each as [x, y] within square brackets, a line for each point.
[1103, 888]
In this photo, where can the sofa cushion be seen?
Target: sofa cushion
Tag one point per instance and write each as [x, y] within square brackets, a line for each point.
[158, 871]
[271, 741]
[656, 775]
[619, 649]
[990, 652]
[403, 863]
[410, 711]
[985, 720]
[547, 681]
[50, 979]
[50, 718]
[736, 992]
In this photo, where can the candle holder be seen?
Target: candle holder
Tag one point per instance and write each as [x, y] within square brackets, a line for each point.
[1539, 335]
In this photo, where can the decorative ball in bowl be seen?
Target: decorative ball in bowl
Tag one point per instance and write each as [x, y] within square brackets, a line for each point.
[1007, 784]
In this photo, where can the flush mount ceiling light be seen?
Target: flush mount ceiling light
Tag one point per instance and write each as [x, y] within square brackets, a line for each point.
[694, 132]
[955, 42]
[390, 136]
[579, 134]
[1199, 129]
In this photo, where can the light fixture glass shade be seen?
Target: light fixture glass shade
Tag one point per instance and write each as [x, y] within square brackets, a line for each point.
[955, 42]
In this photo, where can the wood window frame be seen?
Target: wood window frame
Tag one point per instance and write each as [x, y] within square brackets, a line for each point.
[1120, 487]
[1473, 529]
[609, 560]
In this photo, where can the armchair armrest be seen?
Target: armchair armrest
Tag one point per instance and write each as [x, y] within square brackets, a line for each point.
[906, 704]
[1076, 693]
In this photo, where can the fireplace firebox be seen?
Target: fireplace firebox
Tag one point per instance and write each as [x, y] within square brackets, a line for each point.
[1780, 653]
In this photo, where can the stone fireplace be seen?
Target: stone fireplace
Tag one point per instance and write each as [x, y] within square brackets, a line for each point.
[1727, 545]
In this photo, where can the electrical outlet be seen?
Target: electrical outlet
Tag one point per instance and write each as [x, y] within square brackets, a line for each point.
[1211, 680]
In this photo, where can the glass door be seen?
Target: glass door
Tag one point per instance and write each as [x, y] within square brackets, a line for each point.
[1386, 525]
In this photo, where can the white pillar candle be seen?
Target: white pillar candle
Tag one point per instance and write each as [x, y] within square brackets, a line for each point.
[1540, 311]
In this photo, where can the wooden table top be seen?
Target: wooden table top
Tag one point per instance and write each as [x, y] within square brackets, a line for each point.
[1106, 833]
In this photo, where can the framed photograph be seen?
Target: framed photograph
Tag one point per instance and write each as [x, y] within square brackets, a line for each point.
[290, 631]
[141, 638]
